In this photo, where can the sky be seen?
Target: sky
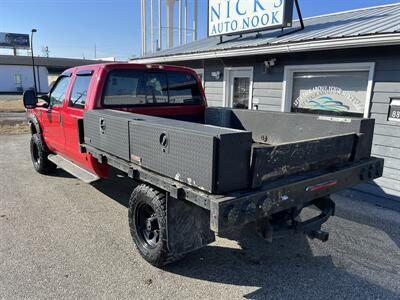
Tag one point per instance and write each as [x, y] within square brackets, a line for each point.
[75, 28]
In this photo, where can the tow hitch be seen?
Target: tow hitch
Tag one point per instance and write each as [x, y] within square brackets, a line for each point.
[319, 234]
[268, 229]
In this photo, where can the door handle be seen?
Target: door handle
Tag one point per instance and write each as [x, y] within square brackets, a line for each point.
[61, 120]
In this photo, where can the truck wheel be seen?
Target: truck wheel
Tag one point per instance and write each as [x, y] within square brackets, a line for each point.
[39, 156]
[148, 225]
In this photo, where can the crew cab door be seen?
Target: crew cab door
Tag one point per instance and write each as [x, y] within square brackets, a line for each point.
[53, 118]
[75, 108]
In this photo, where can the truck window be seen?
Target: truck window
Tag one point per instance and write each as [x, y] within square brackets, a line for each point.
[156, 88]
[57, 94]
[183, 88]
[122, 88]
[79, 91]
[138, 87]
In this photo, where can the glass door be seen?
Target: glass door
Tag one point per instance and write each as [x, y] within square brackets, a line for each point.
[239, 88]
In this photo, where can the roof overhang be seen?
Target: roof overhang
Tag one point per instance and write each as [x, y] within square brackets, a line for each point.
[314, 45]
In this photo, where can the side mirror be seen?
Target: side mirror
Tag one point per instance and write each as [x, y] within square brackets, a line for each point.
[45, 98]
[29, 98]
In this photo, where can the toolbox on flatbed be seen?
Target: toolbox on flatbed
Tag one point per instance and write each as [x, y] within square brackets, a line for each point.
[213, 159]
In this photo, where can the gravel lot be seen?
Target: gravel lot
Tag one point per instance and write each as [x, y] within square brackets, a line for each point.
[61, 238]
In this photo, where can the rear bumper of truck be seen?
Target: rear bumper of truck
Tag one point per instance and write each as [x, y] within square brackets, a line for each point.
[294, 192]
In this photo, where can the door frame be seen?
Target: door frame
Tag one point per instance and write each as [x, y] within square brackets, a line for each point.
[227, 73]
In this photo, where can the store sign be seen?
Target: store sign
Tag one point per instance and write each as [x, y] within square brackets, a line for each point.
[14, 40]
[238, 16]
[329, 98]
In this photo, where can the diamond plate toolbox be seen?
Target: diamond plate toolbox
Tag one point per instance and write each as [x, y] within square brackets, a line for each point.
[214, 159]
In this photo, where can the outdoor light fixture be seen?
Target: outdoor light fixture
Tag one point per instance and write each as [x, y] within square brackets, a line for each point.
[269, 63]
[216, 74]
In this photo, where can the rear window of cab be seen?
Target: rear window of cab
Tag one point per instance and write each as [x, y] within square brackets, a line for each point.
[151, 87]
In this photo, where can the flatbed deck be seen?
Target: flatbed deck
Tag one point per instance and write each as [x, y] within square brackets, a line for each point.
[251, 204]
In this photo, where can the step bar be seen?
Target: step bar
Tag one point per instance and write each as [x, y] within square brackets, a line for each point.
[72, 168]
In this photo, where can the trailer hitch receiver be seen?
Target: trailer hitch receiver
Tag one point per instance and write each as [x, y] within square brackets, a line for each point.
[321, 235]
[310, 227]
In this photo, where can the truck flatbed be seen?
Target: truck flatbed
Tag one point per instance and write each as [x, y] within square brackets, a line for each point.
[288, 192]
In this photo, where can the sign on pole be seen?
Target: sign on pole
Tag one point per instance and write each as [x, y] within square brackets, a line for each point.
[237, 16]
[14, 40]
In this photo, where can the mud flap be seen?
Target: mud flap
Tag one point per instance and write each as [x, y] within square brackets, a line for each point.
[188, 226]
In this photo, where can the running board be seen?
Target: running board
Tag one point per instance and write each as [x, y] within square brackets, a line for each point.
[73, 169]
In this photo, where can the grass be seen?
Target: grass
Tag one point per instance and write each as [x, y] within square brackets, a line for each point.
[13, 127]
[11, 106]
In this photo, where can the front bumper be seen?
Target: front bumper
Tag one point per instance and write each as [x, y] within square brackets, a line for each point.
[294, 192]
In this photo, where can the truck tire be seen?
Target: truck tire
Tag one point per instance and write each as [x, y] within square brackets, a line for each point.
[148, 225]
[39, 156]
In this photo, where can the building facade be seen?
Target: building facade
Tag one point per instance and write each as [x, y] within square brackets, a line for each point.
[16, 73]
[345, 64]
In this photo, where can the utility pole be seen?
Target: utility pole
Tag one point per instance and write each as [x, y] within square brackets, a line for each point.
[152, 26]
[179, 22]
[159, 42]
[170, 23]
[195, 20]
[144, 35]
[185, 22]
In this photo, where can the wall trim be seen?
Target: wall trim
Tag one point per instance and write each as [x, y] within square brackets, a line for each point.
[315, 45]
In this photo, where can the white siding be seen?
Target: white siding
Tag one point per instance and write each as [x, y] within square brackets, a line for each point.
[7, 80]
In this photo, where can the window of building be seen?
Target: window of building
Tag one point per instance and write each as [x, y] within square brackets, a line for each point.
[17, 78]
[79, 91]
[136, 87]
[343, 89]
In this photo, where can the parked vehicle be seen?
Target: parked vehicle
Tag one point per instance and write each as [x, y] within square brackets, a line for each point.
[198, 171]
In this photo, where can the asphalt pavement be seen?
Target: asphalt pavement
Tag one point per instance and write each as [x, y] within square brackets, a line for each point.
[62, 238]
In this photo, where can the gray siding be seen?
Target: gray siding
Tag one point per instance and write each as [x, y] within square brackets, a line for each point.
[386, 142]
[268, 89]
[214, 92]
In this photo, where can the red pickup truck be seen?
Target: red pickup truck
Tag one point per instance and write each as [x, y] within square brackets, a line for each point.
[199, 171]
[54, 122]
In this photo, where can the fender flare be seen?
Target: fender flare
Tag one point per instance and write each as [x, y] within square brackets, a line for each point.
[34, 124]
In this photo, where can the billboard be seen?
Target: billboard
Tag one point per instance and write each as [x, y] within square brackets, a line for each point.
[14, 40]
[237, 16]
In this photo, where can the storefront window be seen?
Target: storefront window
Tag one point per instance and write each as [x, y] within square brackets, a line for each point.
[334, 92]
